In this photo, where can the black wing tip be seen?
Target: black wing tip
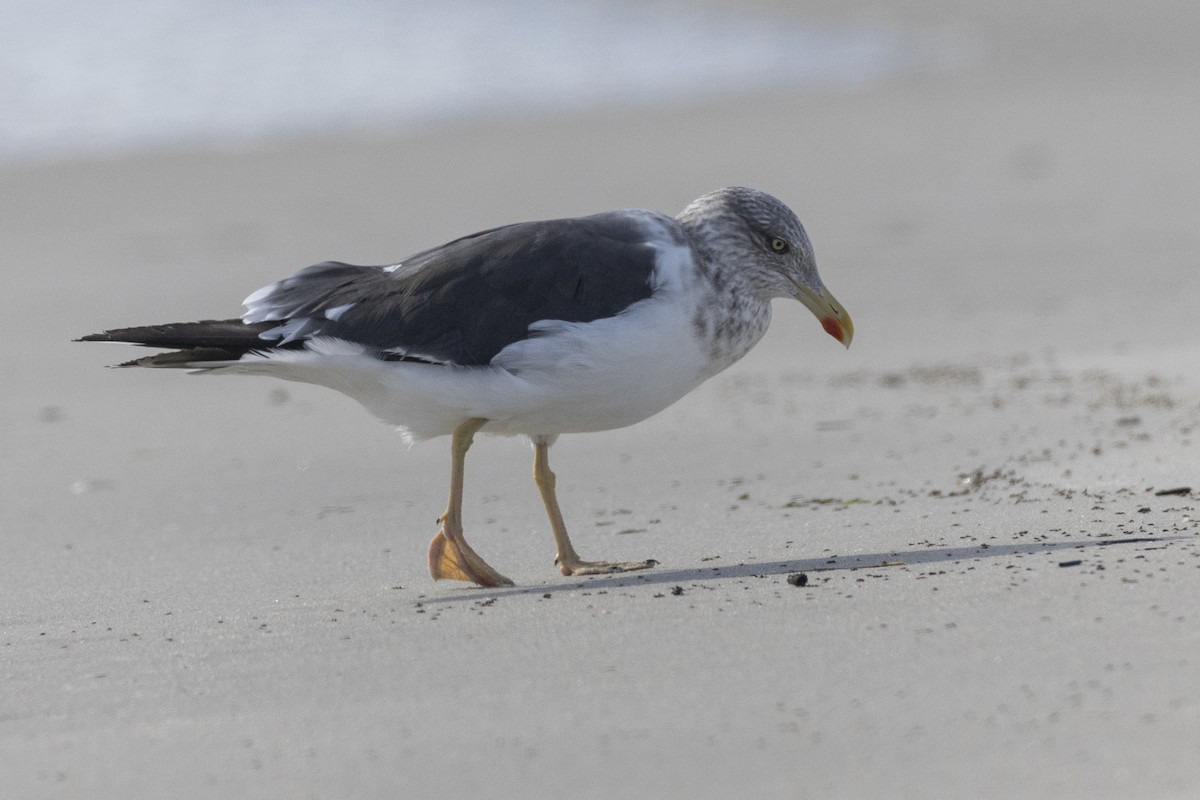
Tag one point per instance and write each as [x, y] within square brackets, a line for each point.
[194, 358]
[190, 343]
[203, 331]
[103, 336]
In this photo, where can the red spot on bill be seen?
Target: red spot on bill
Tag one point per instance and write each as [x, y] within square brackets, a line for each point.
[833, 328]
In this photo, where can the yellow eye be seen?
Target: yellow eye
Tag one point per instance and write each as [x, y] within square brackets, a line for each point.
[779, 245]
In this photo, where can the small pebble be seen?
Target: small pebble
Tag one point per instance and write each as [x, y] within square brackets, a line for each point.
[798, 579]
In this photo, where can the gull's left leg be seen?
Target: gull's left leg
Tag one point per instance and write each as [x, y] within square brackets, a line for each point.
[449, 554]
[567, 559]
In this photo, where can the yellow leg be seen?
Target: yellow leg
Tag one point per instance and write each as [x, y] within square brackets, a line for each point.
[449, 554]
[567, 559]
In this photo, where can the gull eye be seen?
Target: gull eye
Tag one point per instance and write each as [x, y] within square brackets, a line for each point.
[779, 245]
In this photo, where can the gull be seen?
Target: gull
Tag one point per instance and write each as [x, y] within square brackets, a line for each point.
[536, 329]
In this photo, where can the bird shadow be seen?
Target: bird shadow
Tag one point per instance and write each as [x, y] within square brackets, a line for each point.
[762, 569]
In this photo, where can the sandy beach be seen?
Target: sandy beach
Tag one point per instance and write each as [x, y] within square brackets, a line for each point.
[217, 587]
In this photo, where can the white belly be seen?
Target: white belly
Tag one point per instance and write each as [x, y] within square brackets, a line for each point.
[569, 378]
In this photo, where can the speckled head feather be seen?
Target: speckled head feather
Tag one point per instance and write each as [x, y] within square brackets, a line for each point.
[750, 248]
[737, 230]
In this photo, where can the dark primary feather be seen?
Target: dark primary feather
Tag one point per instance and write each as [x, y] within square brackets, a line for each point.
[208, 340]
[230, 334]
[467, 300]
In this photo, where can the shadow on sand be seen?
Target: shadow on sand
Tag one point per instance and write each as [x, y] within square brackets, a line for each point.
[761, 569]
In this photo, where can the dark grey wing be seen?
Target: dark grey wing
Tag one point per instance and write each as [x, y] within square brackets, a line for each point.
[467, 300]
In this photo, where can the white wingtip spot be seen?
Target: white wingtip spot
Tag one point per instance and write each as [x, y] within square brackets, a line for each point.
[260, 295]
[290, 331]
[335, 313]
[257, 307]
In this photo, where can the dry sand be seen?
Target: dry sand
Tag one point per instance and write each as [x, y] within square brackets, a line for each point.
[215, 587]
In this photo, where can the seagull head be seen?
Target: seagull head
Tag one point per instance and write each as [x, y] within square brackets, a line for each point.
[771, 249]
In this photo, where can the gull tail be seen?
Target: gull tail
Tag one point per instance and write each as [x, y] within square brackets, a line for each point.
[194, 345]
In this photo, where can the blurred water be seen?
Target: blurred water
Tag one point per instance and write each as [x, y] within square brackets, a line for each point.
[79, 76]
